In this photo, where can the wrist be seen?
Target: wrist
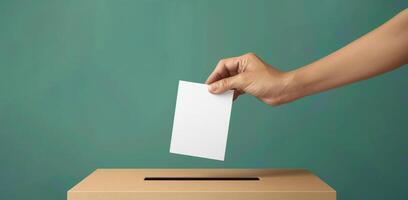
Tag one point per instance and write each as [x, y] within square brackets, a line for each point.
[293, 89]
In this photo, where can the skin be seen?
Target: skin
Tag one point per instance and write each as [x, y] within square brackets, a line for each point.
[382, 50]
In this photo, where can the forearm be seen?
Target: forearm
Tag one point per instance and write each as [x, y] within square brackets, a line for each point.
[381, 50]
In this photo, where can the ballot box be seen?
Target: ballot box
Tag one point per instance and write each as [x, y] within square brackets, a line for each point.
[200, 184]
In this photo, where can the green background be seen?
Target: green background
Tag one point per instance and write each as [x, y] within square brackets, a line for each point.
[92, 84]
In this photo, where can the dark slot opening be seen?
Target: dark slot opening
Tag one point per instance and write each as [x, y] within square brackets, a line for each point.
[201, 179]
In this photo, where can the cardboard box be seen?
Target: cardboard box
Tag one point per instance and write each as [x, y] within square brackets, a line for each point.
[200, 184]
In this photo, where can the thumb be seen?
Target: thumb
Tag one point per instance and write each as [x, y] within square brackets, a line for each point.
[225, 84]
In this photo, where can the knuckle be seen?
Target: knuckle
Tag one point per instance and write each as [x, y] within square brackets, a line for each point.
[221, 61]
[242, 78]
[250, 55]
[224, 83]
[246, 60]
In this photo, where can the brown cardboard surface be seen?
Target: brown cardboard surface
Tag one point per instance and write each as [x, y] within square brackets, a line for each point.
[283, 184]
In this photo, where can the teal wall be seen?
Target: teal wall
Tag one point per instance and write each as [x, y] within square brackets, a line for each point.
[92, 84]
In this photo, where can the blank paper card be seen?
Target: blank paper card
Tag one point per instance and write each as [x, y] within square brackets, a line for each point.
[201, 120]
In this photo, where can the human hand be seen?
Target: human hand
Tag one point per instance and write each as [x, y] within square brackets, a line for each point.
[382, 50]
[249, 74]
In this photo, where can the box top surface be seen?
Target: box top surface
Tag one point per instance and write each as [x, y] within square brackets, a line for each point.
[132, 180]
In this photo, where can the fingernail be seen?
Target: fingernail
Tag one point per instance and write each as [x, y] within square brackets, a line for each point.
[213, 87]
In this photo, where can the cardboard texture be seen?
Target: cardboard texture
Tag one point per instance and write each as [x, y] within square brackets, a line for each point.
[273, 184]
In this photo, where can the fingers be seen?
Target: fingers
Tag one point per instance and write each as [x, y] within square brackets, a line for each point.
[225, 68]
[230, 83]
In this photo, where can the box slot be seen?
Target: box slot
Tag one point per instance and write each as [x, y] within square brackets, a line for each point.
[201, 179]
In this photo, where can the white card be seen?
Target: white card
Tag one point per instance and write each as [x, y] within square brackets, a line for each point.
[201, 121]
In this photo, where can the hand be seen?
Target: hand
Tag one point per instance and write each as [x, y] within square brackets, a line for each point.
[380, 51]
[249, 74]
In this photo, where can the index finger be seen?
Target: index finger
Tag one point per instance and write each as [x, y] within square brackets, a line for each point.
[225, 68]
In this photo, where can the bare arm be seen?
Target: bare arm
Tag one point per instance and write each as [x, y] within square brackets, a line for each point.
[382, 50]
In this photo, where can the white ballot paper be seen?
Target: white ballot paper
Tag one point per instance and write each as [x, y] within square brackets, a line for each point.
[201, 121]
